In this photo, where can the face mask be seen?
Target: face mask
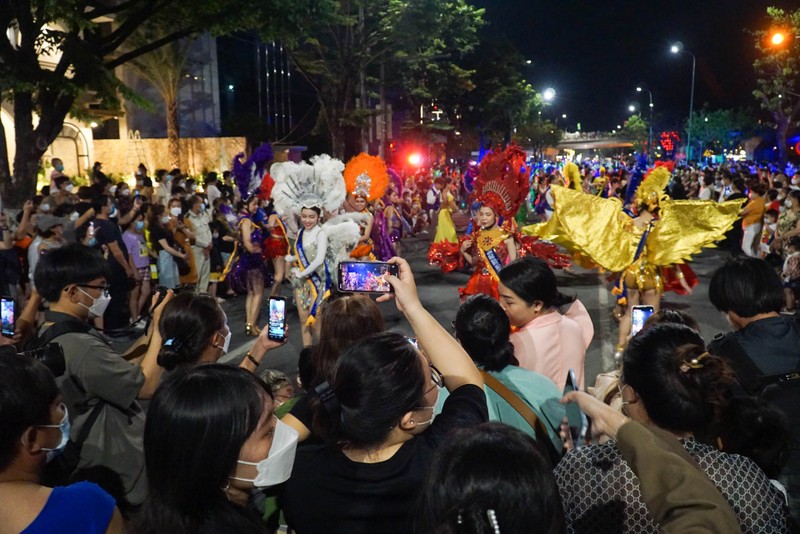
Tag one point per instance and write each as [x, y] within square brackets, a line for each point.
[44, 207]
[772, 227]
[92, 242]
[182, 184]
[165, 220]
[98, 307]
[69, 188]
[113, 213]
[59, 167]
[787, 203]
[74, 216]
[275, 468]
[139, 226]
[168, 177]
[433, 410]
[64, 427]
[140, 182]
[175, 212]
[125, 192]
[781, 196]
[112, 189]
[226, 343]
[192, 187]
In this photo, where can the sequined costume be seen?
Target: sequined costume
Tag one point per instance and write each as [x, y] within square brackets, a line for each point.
[383, 246]
[598, 230]
[249, 265]
[312, 290]
[276, 245]
[490, 254]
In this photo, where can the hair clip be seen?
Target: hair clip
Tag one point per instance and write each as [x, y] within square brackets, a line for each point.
[694, 363]
[328, 397]
[169, 342]
[493, 521]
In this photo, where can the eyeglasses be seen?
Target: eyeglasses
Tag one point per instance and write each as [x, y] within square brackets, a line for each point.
[104, 288]
[436, 376]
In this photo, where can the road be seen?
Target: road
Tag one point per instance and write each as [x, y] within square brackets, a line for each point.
[439, 294]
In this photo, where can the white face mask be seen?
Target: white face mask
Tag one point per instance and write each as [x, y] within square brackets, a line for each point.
[44, 207]
[69, 188]
[165, 219]
[227, 342]
[277, 466]
[98, 307]
[787, 203]
[125, 192]
[112, 189]
[74, 216]
[175, 212]
[64, 427]
[432, 408]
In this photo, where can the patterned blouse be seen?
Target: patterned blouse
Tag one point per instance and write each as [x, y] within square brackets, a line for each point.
[601, 494]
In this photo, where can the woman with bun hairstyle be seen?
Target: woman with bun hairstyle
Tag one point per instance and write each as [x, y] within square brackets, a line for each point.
[672, 385]
[553, 329]
[376, 414]
[195, 330]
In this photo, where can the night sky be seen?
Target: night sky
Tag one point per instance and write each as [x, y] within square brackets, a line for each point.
[595, 53]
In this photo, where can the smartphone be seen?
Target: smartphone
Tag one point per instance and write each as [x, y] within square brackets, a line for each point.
[276, 329]
[576, 419]
[639, 315]
[8, 316]
[366, 276]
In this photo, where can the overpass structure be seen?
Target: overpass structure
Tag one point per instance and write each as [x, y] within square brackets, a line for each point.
[593, 140]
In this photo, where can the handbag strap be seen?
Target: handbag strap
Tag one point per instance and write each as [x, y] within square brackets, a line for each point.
[524, 410]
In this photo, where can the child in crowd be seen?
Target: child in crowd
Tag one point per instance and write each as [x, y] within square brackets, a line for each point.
[768, 231]
[791, 273]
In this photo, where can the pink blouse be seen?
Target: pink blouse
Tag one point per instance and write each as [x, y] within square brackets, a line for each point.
[554, 343]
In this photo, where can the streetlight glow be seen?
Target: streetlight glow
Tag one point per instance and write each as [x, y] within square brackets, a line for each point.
[777, 38]
[549, 94]
[631, 108]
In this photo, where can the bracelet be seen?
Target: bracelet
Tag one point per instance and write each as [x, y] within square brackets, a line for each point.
[252, 360]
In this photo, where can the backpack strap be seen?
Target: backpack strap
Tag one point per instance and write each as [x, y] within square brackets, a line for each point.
[60, 328]
[542, 436]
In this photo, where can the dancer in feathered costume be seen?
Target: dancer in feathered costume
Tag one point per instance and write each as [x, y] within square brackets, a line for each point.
[275, 246]
[310, 191]
[250, 274]
[366, 179]
[661, 234]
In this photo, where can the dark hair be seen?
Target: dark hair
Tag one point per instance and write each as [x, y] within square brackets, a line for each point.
[739, 184]
[677, 396]
[71, 264]
[532, 279]
[27, 389]
[771, 213]
[746, 286]
[758, 188]
[772, 194]
[196, 425]
[344, 321]
[376, 381]
[794, 241]
[483, 329]
[211, 178]
[305, 367]
[491, 466]
[754, 428]
[671, 316]
[795, 194]
[188, 322]
[315, 209]
[99, 202]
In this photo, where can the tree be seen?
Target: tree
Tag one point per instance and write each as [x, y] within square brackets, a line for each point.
[778, 72]
[164, 69]
[83, 50]
[410, 44]
[720, 129]
[538, 135]
[637, 129]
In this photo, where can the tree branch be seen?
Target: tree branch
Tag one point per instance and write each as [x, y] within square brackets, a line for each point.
[104, 10]
[158, 43]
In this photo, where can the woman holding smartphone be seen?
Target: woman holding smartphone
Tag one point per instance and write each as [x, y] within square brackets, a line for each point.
[376, 415]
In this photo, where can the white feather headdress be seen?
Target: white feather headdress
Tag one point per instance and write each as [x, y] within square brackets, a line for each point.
[302, 185]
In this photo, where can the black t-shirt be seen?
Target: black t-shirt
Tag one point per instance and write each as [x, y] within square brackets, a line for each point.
[157, 233]
[329, 493]
[107, 231]
[222, 229]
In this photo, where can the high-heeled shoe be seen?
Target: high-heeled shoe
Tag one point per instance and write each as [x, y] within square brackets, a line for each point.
[255, 329]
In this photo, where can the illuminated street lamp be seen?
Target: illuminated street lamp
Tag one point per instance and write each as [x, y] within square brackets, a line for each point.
[677, 48]
[650, 137]
[631, 108]
[549, 94]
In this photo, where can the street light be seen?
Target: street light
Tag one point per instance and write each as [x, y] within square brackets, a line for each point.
[549, 94]
[676, 49]
[631, 108]
[650, 137]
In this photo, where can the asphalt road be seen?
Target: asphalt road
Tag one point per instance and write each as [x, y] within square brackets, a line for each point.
[439, 294]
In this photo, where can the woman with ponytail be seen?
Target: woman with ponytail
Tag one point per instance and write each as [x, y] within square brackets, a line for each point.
[672, 385]
[553, 330]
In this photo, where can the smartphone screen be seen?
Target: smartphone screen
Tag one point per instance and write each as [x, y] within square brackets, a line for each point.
[366, 276]
[7, 316]
[576, 419]
[277, 319]
[639, 315]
